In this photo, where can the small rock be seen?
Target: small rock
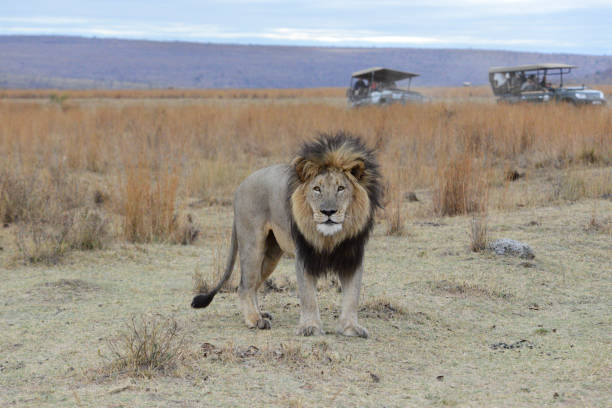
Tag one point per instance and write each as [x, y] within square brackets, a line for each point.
[513, 175]
[512, 346]
[411, 197]
[506, 246]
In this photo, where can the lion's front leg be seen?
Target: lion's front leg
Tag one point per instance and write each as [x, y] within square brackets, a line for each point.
[351, 288]
[310, 320]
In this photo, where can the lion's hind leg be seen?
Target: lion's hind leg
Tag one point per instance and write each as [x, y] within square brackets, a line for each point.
[257, 262]
[272, 256]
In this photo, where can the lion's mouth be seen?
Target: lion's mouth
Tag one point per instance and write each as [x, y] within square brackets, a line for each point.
[329, 227]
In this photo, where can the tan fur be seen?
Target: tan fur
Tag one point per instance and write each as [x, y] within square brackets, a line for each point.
[356, 217]
[332, 196]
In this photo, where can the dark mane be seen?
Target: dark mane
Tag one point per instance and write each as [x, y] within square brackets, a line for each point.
[331, 150]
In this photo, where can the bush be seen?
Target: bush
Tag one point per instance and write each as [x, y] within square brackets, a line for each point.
[43, 242]
[147, 346]
[89, 230]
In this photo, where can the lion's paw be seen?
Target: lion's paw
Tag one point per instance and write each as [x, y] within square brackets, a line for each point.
[266, 315]
[309, 330]
[353, 330]
[263, 324]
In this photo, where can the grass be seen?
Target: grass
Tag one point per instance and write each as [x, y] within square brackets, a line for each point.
[130, 178]
[432, 315]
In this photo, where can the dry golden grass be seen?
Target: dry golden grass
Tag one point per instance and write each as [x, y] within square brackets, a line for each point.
[435, 310]
[58, 96]
[148, 161]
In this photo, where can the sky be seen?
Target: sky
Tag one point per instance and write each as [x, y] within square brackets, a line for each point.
[561, 26]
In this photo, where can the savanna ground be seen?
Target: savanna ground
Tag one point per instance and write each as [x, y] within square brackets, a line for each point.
[116, 205]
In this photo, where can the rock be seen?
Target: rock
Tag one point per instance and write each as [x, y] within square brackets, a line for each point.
[506, 246]
[411, 197]
[513, 175]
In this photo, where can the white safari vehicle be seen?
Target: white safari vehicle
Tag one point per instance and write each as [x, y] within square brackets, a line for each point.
[378, 86]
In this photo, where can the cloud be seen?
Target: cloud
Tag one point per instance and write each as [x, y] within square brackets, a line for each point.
[412, 31]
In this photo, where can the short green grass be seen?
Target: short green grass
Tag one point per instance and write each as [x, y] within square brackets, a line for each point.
[451, 306]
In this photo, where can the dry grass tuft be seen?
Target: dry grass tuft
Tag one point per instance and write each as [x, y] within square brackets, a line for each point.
[200, 285]
[51, 216]
[90, 230]
[479, 236]
[394, 220]
[597, 223]
[382, 308]
[292, 354]
[44, 242]
[149, 199]
[186, 232]
[464, 289]
[148, 346]
[460, 188]
[203, 284]
[219, 258]
[600, 224]
[14, 196]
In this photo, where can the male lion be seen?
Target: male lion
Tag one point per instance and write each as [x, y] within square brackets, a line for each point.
[321, 207]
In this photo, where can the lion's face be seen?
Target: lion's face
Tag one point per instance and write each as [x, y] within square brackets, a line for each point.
[329, 208]
[328, 195]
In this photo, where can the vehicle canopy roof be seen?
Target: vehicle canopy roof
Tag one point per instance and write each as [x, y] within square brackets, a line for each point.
[533, 67]
[380, 74]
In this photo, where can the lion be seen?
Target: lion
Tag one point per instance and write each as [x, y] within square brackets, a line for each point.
[319, 208]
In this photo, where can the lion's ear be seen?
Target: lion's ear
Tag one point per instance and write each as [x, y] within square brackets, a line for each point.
[357, 170]
[304, 168]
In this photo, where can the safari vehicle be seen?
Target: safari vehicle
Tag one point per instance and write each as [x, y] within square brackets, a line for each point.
[378, 86]
[540, 83]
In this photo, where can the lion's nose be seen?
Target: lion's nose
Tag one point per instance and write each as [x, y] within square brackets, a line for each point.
[329, 213]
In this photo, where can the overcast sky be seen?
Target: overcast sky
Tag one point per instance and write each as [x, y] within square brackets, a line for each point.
[570, 26]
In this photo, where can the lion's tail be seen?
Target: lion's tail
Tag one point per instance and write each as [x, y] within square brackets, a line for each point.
[204, 299]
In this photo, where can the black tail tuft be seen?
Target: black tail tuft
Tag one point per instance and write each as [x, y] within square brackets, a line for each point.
[203, 300]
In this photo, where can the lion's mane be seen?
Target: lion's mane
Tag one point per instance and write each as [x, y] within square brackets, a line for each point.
[341, 253]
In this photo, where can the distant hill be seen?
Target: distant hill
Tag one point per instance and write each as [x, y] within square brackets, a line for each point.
[600, 77]
[75, 62]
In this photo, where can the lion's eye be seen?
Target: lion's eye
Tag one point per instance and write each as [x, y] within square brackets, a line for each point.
[340, 188]
[317, 189]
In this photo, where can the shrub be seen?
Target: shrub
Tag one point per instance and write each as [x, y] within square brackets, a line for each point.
[147, 346]
[43, 242]
[89, 230]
